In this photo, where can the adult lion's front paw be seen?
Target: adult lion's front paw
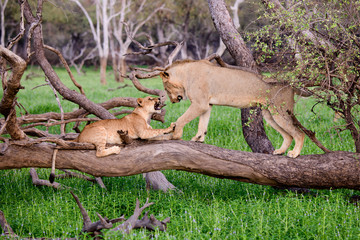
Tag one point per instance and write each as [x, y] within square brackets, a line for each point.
[170, 129]
[293, 154]
[177, 133]
[172, 126]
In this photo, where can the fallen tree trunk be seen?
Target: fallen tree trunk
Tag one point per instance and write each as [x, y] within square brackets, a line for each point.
[330, 170]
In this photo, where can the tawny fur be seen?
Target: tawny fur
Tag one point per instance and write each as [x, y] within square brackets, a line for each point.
[206, 84]
[135, 124]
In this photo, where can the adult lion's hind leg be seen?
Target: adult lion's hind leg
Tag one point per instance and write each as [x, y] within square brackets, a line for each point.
[286, 123]
[287, 138]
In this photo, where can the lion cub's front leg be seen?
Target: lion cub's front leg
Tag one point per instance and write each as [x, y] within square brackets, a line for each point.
[155, 134]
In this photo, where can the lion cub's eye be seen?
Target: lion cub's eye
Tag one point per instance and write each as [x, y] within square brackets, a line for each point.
[179, 98]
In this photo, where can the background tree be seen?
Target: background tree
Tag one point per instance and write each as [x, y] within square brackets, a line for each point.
[316, 45]
[131, 17]
[100, 31]
[3, 4]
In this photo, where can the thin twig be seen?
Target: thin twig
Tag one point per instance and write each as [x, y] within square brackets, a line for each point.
[309, 133]
[70, 174]
[63, 61]
[47, 124]
[62, 125]
[120, 87]
[22, 28]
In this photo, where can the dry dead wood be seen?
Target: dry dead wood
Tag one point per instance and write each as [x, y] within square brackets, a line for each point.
[308, 132]
[11, 88]
[40, 182]
[6, 227]
[330, 170]
[94, 228]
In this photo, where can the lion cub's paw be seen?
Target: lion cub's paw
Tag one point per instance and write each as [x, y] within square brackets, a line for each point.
[117, 150]
[292, 154]
[278, 152]
[122, 132]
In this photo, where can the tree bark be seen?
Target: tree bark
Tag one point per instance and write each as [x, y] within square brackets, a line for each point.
[11, 87]
[253, 127]
[331, 170]
[103, 65]
[122, 68]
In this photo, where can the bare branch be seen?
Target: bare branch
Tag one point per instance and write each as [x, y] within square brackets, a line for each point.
[63, 61]
[62, 122]
[70, 174]
[22, 28]
[6, 227]
[39, 182]
[9, 96]
[309, 133]
[95, 227]
[129, 224]
[221, 62]
[62, 125]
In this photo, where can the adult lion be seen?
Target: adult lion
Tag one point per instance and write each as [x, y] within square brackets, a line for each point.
[206, 84]
[135, 124]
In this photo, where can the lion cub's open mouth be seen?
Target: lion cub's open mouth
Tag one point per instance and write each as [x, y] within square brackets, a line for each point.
[158, 105]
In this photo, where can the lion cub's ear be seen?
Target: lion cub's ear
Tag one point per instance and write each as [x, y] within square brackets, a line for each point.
[139, 102]
[165, 76]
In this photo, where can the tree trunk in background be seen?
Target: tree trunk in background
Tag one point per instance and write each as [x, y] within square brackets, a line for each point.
[122, 68]
[103, 65]
[253, 127]
[114, 60]
[116, 72]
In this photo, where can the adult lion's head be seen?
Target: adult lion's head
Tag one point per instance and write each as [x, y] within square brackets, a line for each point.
[174, 89]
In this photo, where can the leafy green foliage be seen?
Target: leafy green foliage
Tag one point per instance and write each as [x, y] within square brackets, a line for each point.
[316, 45]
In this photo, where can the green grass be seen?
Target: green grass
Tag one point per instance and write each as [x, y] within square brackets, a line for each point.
[207, 208]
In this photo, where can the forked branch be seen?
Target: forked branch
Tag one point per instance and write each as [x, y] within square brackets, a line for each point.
[95, 228]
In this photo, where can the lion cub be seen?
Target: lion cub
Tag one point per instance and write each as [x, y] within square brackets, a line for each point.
[135, 124]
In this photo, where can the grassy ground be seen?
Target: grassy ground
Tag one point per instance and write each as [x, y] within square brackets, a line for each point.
[208, 208]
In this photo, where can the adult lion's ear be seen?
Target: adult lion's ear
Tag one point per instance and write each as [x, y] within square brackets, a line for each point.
[165, 76]
[139, 101]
